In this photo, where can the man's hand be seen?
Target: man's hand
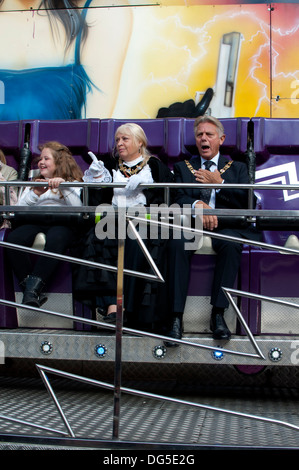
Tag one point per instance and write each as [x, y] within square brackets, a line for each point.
[206, 176]
[209, 222]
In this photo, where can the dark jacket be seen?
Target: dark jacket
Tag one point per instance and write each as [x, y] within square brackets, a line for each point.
[225, 198]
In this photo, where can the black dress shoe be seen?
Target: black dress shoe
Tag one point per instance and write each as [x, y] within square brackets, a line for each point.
[111, 318]
[219, 327]
[176, 331]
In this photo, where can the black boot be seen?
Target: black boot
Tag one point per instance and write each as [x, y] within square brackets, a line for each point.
[218, 325]
[175, 331]
[32, 294]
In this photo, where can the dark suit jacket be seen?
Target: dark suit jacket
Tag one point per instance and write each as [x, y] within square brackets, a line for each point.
[225, 198]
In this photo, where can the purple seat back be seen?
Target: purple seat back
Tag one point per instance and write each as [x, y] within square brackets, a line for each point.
[80, 136]
[235, 143]
[173, 128]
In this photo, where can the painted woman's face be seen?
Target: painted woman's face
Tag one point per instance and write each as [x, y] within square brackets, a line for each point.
[127, 147]
[46, 164]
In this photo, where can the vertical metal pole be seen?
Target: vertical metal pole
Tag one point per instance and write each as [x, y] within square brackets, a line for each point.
[119, 325]
[251, 163]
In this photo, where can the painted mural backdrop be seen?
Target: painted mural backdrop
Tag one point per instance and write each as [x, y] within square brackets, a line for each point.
[130, 60]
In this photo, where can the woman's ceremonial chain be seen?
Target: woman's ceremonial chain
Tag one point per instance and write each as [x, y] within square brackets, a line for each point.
[129, 171]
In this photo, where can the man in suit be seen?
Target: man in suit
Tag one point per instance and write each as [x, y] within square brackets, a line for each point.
[208, 168]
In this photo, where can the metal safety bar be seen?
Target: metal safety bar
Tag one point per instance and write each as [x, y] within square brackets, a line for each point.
[7, 211]
[44, 370]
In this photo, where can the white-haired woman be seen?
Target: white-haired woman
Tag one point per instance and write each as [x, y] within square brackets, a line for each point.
[132, 164]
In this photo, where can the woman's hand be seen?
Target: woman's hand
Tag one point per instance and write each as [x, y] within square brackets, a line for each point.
[39, 190]
[55, 182]
[51, 183]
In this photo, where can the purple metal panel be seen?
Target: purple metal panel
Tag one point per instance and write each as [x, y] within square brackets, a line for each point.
[273, 275]
[201, 275]
[201, 278]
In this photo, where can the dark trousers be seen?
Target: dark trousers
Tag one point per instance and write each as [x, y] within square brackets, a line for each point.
[228, 259]
[58, 239]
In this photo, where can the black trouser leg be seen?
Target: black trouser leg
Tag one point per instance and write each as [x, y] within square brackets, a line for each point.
[179, 273]
[228, 261]
[58, 239]
[21, 262]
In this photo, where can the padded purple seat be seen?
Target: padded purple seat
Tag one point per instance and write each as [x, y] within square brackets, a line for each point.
[235, 143]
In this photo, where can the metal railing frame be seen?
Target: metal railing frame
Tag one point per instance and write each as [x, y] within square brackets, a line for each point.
[8, 212]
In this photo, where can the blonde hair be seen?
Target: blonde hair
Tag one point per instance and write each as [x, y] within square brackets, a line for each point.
[138, 135]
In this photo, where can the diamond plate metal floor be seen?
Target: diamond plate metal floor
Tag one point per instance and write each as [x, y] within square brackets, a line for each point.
[146, 420]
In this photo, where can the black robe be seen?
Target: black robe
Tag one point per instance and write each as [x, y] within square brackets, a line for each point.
[145, 301]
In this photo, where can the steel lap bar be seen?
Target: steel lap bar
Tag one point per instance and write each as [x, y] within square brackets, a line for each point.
[250, 295]
[80, 261]
[244, 241]
[255, 186]
[92, 209]
[145, 251]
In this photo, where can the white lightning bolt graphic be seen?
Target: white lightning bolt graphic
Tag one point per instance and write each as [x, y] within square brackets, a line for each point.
[285, 173]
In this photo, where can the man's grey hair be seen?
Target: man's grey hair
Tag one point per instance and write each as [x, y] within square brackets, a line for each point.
[211, 120]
